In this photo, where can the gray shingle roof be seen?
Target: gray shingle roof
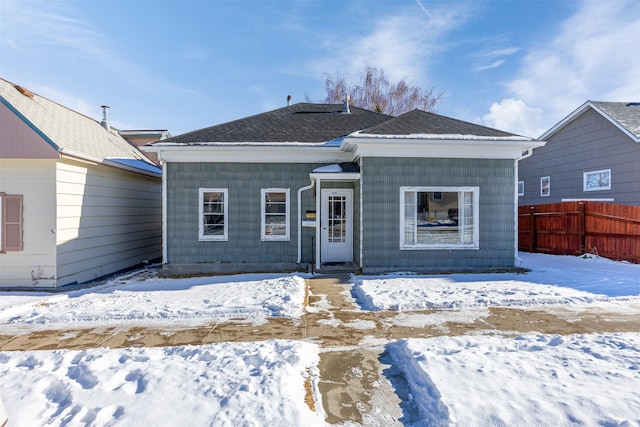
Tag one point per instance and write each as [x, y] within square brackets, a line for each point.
[302, 122]
[418, 122]
[66, 129]
[627, 114]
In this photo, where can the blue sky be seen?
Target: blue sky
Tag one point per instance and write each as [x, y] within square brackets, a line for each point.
[517, 65]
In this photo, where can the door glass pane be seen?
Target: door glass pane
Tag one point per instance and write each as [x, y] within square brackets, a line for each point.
[337, 221]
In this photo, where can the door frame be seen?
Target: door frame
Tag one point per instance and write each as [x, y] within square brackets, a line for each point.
[347, 246]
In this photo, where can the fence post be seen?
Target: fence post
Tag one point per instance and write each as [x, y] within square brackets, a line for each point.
[532, 232]
[582, 227]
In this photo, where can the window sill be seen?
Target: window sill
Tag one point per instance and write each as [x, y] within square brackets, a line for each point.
[212, 239]
[438, 247]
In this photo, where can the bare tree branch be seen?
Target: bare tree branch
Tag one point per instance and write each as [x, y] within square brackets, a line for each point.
[376, 93]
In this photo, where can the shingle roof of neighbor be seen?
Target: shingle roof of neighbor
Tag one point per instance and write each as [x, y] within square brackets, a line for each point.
[627, 114]
[318, 123]
[68, 130]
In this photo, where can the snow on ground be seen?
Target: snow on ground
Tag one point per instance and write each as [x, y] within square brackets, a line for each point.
[470, 380]
[153, 300]
[228, 384]
[564, 280]
[531, 380]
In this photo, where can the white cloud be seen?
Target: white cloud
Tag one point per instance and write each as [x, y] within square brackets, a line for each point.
[592, 56]
[496, 56]
[507, 51]
[494, 64]
[401, 44]
[44, 27]
[515, 116]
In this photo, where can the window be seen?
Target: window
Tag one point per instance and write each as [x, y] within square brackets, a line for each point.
[520, 188]
[545, 186]
[11, 223]
[213, 214]
[596, 180]
[275, 214]
[439, 217]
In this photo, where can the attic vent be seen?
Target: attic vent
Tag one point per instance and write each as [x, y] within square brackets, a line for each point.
[633, 104]
[24, 91]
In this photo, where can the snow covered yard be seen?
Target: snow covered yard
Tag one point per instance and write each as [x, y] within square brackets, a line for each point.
[145, 299]
[229, 384]
[530, 379]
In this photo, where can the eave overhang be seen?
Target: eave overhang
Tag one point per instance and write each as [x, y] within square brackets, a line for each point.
[440, 146]
[249, 152]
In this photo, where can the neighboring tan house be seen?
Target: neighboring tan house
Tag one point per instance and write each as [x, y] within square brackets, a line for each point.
[592, 154]
[324, 185]
[78, 202]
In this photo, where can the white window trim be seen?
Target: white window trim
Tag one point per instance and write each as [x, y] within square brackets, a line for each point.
[520, 185]
[263, 225]
[201, 235]
[542, 179]
[460, 190]
[586, 174]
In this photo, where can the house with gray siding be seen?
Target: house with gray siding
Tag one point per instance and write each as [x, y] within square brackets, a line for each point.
[77, 201]
[592, 154]
[320, 185]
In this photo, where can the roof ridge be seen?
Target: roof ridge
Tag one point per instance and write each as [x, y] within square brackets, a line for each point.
[15, 85]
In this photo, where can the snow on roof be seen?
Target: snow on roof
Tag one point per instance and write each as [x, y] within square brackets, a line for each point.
[135, 165]
[441, 136]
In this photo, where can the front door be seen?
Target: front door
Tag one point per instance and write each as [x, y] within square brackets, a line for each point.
[336, 223]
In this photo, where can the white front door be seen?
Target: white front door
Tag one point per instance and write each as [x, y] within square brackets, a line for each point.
[336, 223]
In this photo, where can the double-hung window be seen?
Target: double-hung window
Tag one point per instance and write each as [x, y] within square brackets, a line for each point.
[439, 217]
[214, 221]
[275, 214]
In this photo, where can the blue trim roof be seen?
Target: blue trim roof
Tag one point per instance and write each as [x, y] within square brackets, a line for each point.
[138, 165]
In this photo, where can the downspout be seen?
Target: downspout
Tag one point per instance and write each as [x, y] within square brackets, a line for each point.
[164, 209]
[300, 190]
[526, 154]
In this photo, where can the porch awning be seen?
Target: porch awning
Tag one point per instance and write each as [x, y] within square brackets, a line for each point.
[347, 167]
[345, 172]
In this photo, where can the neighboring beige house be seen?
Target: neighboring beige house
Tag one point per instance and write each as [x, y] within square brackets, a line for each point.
[77, 201]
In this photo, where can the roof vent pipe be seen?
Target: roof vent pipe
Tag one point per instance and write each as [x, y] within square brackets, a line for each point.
[345, 105]
[288, 100]
[105, 117]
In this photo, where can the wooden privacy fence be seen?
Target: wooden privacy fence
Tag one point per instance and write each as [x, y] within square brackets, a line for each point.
[575, 228]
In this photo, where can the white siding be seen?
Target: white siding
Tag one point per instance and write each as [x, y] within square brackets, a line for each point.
[35, 265]
[108, 220]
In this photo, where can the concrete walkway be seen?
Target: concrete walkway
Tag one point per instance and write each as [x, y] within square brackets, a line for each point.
[357, 381]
